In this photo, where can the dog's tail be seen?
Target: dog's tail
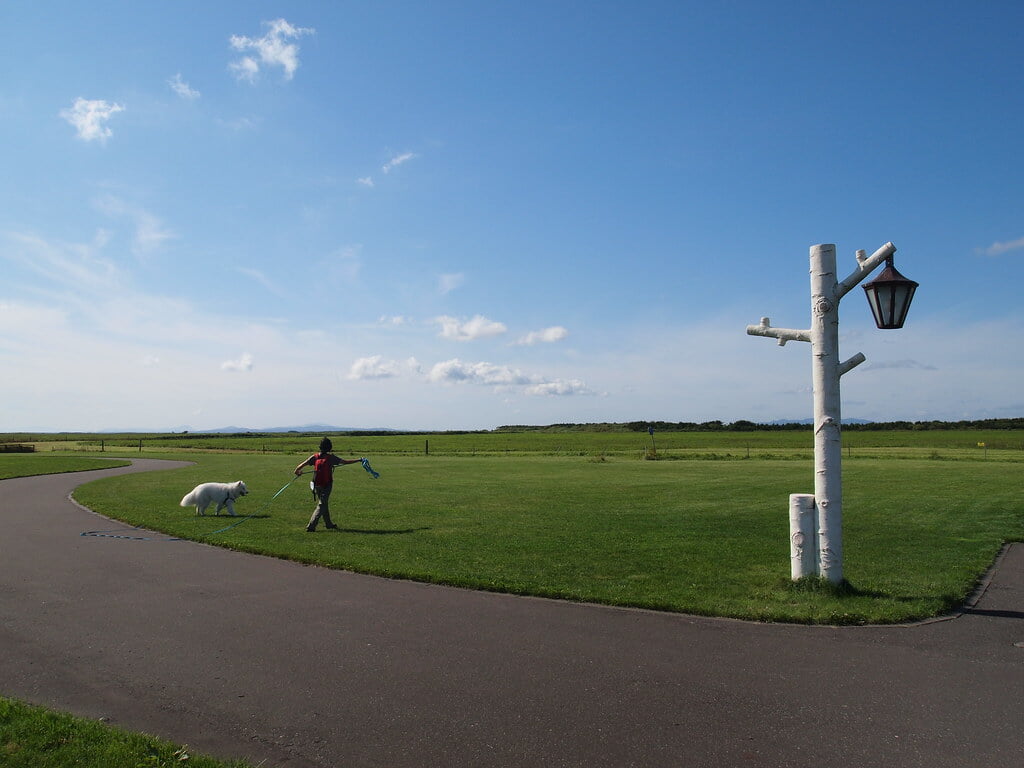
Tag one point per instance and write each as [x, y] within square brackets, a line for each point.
[189, 499]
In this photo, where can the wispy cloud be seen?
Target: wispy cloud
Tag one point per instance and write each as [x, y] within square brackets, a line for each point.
[272, 50]
[448, 283]
[150, 233]
[260, 278]
[239, 124]
[545, 336]
[345, 264]
[396, 161]
[89, 118]
[899, 364]
[478, 327]
[998, 249]
[182, 88]
[77, 266]
[366, 181]
[243, 364]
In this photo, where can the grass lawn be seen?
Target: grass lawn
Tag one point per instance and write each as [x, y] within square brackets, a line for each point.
[32, 737]
[703, 537]
[29, 464]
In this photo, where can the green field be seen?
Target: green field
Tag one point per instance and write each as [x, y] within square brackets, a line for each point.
[582, 517]
[1007, 444]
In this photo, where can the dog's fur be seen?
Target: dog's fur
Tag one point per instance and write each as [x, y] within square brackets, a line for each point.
[224, 494]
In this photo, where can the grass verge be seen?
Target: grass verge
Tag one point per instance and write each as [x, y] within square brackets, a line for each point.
[33, 737]
[707, 538]
[30, 464]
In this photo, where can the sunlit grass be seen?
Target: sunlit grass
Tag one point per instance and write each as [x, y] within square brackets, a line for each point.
[32, 737]
[708, 537]
[28, 464]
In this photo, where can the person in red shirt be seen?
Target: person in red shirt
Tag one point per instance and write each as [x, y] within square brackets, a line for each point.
[323, 464]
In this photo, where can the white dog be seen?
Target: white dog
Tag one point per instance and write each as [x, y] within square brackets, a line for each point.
[224, 494]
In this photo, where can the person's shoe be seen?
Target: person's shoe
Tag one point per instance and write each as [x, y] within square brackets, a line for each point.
[332, 527]
[310, 529]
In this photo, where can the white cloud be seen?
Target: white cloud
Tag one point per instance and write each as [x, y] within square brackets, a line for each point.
[183, 89]
[448, 283]
[479, 327]
[246, 68]
[396, 161]
[546, 336]
[243, 363]
[560, 388]
[998, 249]
[488, 374]
[366, 181]
[89, 118]
[374, 367]
[455, 370]
[273, 49]
[392, 321]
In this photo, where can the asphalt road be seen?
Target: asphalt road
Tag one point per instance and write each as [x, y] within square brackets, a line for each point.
[257, 658]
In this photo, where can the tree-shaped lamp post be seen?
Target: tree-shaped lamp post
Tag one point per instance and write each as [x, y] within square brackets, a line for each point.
[816, 521]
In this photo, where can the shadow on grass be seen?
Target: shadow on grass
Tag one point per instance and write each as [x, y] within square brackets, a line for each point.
[233, 517]
[382, 532]
[817, 585]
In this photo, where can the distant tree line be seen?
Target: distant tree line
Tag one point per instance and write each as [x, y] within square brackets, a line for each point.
[749, 426]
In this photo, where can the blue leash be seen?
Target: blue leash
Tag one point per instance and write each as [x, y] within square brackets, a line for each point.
[228, 528]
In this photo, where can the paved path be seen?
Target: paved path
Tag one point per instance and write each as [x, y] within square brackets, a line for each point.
[303, 667]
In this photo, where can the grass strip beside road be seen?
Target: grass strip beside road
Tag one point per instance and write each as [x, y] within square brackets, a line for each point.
[31, 464]
[707, 538]
[33, 737]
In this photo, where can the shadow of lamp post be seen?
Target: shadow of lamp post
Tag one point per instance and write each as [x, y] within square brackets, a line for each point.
[816, 521]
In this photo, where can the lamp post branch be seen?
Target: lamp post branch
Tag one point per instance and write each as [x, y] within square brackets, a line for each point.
[826, 369]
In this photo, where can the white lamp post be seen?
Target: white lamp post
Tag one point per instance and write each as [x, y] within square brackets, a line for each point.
[816, 522]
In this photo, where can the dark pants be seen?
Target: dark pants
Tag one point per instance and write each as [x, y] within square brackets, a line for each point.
[322, 494]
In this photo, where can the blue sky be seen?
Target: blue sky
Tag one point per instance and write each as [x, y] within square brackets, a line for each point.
[460, 215]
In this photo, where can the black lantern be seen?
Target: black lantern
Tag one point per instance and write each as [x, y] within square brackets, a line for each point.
[889, 295]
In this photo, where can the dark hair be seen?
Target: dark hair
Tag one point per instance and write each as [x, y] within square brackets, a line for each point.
[326, 445]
